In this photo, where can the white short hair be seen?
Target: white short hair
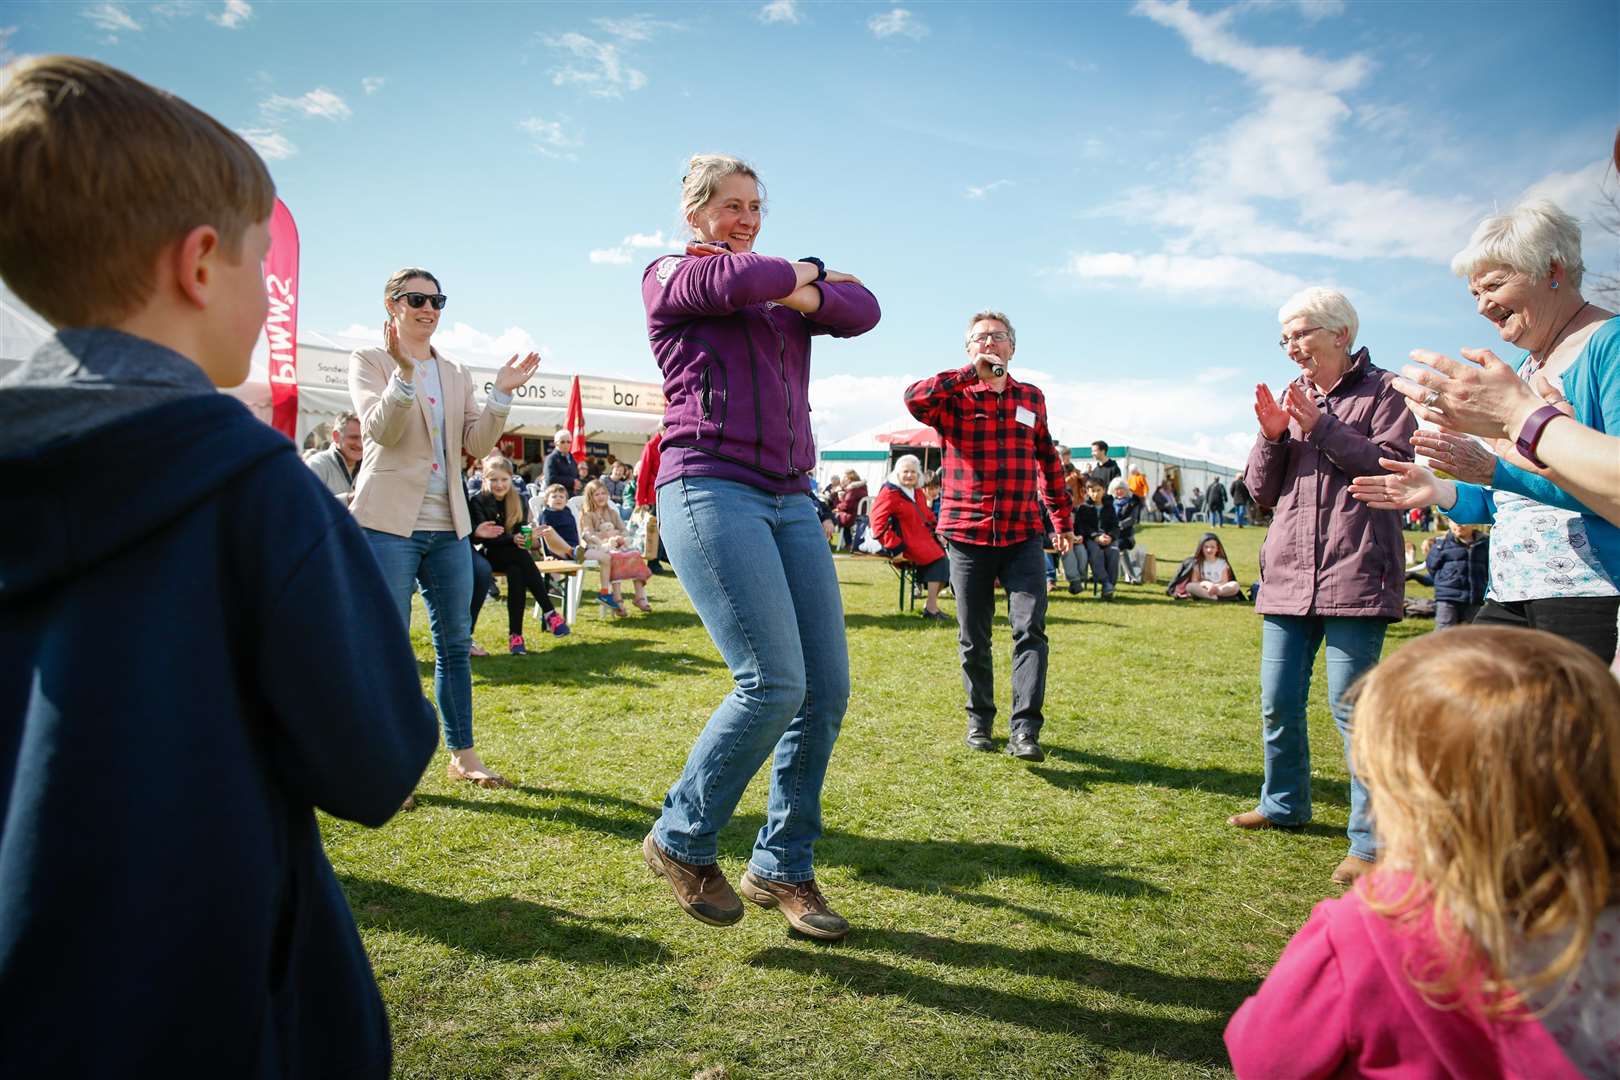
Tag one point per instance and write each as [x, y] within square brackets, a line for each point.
[900, 463]
[1528, 238]
[1328, 308]
[1118, 485]
[562, 436]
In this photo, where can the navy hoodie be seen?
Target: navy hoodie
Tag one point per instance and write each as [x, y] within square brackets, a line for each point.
[187, 675]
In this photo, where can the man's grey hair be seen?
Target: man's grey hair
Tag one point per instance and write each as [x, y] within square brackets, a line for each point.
[999, 316]
[341, 421]
[1327, 308]
[563, 436]
[1529, 238]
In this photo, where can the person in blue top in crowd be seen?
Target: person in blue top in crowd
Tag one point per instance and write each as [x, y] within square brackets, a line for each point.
[166, 908]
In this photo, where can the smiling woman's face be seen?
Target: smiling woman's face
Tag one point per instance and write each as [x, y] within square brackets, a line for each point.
[1513, 303]
[732, 216]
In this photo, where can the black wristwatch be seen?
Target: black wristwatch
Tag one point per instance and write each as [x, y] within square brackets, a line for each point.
[821, 267]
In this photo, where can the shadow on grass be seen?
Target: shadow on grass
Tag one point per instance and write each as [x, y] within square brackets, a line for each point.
[1193, 1042]
[914, 865]
[1103, 769]
[500, 927]
[632, 661]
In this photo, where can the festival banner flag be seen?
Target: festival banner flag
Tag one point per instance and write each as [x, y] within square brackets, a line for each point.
[281, 323]
[576, 421]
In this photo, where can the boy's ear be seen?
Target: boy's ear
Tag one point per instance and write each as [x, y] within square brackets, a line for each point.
[194, 259]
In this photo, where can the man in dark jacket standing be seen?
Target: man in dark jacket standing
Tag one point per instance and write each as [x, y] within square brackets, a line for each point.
[1215, 502]
[165, 904]
[1004, 491]
[560, 467]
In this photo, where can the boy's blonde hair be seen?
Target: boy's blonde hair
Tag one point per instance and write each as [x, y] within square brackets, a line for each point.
[555, 487]
[1492, 756]
[101, 172]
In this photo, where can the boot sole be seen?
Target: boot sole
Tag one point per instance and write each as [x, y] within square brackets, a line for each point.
[767, 901]
[650, 856]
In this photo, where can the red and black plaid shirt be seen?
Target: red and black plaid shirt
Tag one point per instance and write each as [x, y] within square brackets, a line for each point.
[1001, 466]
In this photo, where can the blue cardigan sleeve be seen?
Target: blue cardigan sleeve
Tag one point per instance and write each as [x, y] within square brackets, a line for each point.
[1475, 505]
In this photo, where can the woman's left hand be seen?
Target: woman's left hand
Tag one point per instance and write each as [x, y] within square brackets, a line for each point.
[1458, 455]
[1298, 404]
[838, 277]
[514, 373]
[699, 248]
[1488, 399]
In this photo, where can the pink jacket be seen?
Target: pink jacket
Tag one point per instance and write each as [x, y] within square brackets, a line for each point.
[1338, 1004]
[1326, 553]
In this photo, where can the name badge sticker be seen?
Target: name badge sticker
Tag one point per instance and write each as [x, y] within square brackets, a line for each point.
[1025, 417]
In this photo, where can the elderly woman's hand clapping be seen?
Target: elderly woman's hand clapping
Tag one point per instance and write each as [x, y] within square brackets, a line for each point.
[1485, 398]
[1405, 486]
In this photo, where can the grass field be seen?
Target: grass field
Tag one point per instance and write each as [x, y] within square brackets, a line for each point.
[1089, 916]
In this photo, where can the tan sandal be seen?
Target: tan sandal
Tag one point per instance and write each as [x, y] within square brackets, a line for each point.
[488, 780]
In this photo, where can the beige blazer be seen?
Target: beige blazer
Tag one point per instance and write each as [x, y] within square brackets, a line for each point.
[398, 459]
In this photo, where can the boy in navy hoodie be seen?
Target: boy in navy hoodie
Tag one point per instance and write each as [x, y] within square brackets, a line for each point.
[1460, 564]
[194, 667]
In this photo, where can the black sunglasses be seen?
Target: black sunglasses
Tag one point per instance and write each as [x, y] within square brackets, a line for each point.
[417, 299]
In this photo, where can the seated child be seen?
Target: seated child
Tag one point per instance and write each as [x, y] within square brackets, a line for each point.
[1212, 577]
[498, 520]
[166, 906]
[604, 534]
[1487, 942]
[553, 512]
[1460, 565]
[1096, 527]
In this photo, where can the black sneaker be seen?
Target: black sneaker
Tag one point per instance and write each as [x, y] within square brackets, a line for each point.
[1025, 748]
[980, 740]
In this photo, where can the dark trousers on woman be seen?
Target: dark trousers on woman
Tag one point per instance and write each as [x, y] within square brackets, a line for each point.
[522, 577]
[1021, 568]
[1585, 620]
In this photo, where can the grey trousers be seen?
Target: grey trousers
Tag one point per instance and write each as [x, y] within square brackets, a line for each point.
[1021, 568]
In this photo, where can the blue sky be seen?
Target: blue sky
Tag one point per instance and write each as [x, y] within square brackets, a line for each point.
[1138, 185]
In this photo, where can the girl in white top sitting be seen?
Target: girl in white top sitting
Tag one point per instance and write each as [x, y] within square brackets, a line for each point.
[1212, 577]
[603, 533]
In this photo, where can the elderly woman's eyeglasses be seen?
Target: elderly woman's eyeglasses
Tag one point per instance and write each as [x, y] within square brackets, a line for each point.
[417, 299]
[1288, 341]
[997, 336]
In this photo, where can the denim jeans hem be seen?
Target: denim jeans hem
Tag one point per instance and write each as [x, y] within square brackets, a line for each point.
[784, 878]
[1364, 856]
[661, 838]
[1282, 821]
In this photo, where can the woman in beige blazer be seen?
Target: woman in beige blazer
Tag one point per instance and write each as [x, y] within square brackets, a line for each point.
[417, 417]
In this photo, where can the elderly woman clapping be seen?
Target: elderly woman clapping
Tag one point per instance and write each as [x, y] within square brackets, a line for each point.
[901, 520]
[1555, 565]
[1331, 570]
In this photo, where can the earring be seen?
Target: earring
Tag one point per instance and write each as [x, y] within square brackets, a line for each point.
[1555, 284]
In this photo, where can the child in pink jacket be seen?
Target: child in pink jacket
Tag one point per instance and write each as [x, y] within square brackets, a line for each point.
[1487, 943]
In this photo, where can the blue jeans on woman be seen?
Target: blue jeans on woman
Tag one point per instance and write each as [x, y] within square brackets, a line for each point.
[758, 571]
[1288, 648]
[440, 564]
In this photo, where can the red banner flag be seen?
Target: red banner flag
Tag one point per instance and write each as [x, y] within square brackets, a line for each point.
[281, 324]
[576, 421]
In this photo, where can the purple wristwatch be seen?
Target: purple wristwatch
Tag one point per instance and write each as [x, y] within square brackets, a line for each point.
[1530, 433]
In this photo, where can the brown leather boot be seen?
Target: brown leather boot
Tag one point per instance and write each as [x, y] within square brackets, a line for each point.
[801, 901]
[1352, 868]
[702, 891]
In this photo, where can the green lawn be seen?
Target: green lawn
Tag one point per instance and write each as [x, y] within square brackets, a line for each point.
[1089, 916]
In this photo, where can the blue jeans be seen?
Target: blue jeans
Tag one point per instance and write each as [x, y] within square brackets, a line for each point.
[758, 571]
[440, 564]
[1240, 514]
[1288, 647]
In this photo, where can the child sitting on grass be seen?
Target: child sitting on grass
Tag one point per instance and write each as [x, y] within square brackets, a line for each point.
[1487, 942]
[1207, 575]
[498, 520]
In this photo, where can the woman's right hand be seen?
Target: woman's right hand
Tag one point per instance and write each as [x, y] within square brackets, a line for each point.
[396, 351]
[1406, 486]
[1272, 416]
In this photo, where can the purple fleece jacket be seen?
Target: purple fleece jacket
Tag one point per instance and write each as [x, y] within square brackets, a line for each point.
[736, 365]
[1326, 553]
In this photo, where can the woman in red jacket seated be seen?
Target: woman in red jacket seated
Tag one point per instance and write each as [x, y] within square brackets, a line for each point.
[900, 519]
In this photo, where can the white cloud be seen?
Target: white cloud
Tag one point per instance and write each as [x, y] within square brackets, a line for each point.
[319, 102]
[272, 145]
[111, 17]
[978, 192]
[550, 138]
[780, 11]
[6, 55]
[635, 27]
[899, 21]
[1212, 279]
[1317, 10]
[602, 71]
[465, 342]
[235, 13]
[372, 83]
[621, 253]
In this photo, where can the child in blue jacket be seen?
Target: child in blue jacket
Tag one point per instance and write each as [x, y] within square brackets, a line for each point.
[1460, 564]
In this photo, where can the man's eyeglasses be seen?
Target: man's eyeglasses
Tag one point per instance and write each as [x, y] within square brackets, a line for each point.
[997, 336]
[417, 299]
[1287, 341]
